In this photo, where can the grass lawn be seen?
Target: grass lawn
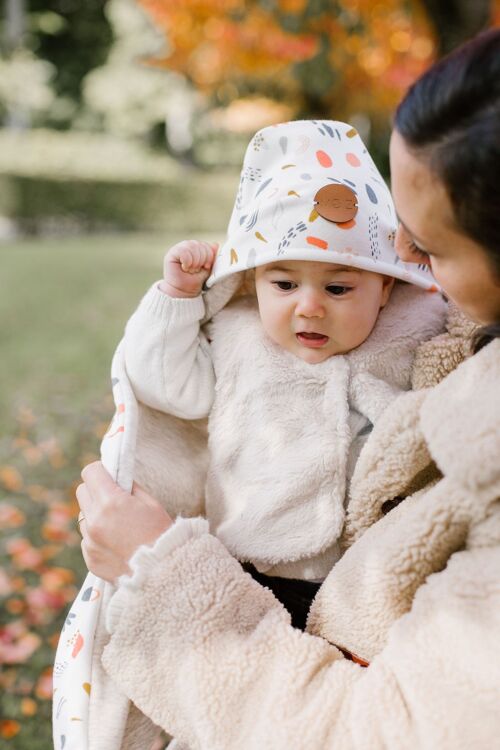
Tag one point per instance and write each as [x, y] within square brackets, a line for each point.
[63, 306]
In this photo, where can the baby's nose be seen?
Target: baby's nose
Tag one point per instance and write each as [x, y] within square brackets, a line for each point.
[310, 305]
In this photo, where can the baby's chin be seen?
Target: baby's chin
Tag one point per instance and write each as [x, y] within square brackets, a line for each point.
[314, 356]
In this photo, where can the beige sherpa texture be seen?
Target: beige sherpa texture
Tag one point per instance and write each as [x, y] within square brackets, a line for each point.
[210, 656]
[418, 536]
[279, 427]
[220, 667]
[437, 358]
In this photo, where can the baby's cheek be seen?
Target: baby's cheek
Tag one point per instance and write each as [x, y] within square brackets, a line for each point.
[360, 324]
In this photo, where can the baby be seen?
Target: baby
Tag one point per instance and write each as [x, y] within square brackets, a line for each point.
[293, 376]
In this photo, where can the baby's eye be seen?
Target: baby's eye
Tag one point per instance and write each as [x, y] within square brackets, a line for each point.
[338, 289]
[285, 286]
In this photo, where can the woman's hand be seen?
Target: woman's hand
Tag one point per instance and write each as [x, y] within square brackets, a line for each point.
[114, 522]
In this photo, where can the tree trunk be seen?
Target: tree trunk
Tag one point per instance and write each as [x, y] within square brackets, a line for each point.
[455, 21]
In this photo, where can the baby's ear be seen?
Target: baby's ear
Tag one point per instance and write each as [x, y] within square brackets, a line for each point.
[387, 286]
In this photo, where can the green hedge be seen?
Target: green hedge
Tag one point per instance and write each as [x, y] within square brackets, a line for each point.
[64, 180]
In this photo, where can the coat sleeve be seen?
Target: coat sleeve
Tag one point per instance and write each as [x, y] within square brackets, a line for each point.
[168, 357]
[211, 657]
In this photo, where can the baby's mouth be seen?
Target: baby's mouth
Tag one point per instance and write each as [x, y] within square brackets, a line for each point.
[312, 340]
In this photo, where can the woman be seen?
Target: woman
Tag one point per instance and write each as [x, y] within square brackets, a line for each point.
[210, 656]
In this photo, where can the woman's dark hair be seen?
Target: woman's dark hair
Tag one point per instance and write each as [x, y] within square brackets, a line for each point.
[451, 118]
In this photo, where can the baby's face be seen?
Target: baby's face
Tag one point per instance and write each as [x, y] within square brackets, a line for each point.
[315, 310]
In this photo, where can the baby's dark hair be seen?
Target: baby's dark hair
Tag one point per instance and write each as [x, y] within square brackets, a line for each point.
[450, 117]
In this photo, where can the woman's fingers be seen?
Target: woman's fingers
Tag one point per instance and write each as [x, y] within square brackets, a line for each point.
[106, 507]
[103, 563]
[83, 498]
[97, 479]
[100, 500]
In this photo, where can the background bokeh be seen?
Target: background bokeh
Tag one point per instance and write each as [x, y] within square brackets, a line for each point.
[123, 125]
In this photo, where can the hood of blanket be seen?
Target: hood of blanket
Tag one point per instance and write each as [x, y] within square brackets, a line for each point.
[278, 214]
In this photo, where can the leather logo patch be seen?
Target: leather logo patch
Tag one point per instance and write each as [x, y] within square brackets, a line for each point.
[337, 203]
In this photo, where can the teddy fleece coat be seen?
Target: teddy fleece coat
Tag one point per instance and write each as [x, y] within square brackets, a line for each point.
[284, 435]
[279, 447]
[209, 655]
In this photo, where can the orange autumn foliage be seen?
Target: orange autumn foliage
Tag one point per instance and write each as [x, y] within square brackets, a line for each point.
[358, 57]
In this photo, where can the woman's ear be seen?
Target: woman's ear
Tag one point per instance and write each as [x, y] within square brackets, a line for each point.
[387, 285]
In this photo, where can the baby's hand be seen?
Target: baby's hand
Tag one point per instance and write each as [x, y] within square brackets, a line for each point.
[187, 266]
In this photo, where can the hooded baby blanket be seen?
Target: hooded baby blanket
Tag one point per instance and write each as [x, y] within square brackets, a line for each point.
[308, 191]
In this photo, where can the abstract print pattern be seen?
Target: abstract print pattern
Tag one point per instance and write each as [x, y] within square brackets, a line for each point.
[73, 663]
[274, 214]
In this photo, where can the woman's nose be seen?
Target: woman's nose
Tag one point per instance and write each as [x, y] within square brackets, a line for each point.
[309, 304]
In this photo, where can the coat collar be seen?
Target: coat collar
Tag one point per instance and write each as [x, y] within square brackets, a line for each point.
[454, 425]
[460, 420]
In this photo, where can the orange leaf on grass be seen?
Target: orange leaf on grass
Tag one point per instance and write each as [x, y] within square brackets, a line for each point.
[53, 451]
[5, 583]
[29, 707]
[9, 728]
[44, 688]
[32, 454]
[37, 492]
[15, 606]
[57, 578]
[17, 643]
[10, 516]
[17, 583]
[8, 678]
[60, 524]
[23, 554]
[10, 478]
[25, 417]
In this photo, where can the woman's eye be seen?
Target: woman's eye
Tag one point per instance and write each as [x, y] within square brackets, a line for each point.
[337, 289]
[285, 286]
[422, 254]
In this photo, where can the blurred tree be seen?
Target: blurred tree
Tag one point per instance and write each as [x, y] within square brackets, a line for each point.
[458, 20]
[72, 36]
[75, 37]
[329, 57]
[25, 81]
[26, 94]
[344, 59]
[124, 96]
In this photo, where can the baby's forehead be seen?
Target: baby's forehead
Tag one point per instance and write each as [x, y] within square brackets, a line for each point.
[298, 266]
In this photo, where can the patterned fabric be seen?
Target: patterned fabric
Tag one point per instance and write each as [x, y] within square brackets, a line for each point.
[274, 215]
[73, 663]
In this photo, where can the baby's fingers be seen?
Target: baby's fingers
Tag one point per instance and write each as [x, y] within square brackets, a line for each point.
[208, 253]
[212, 248]
[187, 259]
[202, 255]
